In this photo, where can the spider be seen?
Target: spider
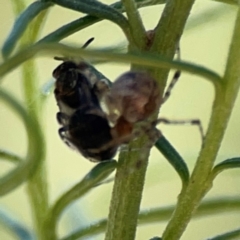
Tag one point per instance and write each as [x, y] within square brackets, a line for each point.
[132, 99]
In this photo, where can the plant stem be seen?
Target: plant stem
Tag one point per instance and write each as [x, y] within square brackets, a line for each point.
[130, 176]
[127, 192]
[168, 33]
[135, 22]
[35, 148]
[37, 183]
[200, 182]
[36, 186]
[38, 196]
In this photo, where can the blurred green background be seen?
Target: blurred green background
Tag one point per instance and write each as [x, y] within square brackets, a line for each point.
[205, 42]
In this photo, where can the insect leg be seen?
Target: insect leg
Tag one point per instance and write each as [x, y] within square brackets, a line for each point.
[62, 118]
[63, 133]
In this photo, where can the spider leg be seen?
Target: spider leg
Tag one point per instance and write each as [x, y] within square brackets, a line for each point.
[174, 80]
[196, 122]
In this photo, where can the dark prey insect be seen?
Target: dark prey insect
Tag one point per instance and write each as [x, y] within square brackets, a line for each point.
[84, 124]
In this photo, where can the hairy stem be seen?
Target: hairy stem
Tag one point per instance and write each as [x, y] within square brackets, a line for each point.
[135, 22]
[130, 176]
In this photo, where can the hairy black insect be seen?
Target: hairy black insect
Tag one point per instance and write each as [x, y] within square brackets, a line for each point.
[84, 124]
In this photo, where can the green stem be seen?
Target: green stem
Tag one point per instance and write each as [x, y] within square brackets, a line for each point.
[200, 182]
[130, 176]
[135, 22]
[168, 32]
[127, 192]
[37, 184]
[35, 150]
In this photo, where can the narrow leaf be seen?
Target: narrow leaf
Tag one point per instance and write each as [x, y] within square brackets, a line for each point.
[232, 2]
[21, 25]
[12, 157]
[162, 214]
[35, 151]
[173, 157]
[86, 21]
[228, 236]
[143, 59]
[227, 164]
[97, 9]
[96, 175]
[15, 226]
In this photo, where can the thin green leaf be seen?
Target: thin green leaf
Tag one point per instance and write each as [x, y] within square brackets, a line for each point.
[144, 59]
[228, 236]
[15, 225]
[97, 9]
[96, 175]
[232, 2]
[224, 165]
[35, 151]
[87, 21]
[21, 25]
[105, 182]
[157, 215]
[173, 158]
[70, 28]
[12, 157]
